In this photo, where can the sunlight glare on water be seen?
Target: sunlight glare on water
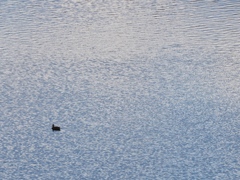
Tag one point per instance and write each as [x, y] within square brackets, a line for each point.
[142, 89]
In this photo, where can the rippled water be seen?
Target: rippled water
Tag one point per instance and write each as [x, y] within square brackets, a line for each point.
[142, 89]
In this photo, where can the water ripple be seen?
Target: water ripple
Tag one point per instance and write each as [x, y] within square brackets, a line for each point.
[141, 89]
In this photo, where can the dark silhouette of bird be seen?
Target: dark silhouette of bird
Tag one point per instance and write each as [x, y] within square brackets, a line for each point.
[55, 128]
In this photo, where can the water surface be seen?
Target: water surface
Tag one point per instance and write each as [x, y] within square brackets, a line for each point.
[142, 89]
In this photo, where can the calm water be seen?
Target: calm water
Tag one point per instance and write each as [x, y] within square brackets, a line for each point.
[142, 89]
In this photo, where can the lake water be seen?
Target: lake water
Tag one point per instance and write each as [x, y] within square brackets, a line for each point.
[142, 89]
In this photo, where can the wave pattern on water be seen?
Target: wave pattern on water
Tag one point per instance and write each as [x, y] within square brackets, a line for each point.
[118, 29]
[142, 89]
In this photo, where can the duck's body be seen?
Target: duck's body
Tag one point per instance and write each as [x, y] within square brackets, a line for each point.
[55, 128]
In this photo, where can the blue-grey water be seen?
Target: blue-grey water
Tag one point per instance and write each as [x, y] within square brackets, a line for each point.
[142, 89]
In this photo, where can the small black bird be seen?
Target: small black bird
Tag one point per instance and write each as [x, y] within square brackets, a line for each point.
[55, 128]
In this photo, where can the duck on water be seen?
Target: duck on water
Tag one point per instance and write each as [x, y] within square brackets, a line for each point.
[55, 128]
